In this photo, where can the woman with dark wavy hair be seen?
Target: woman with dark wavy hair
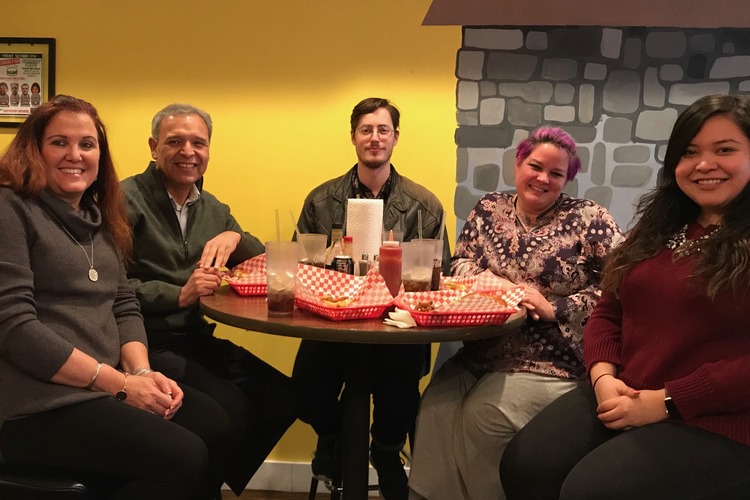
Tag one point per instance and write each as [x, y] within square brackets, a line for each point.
[667, 412]
[76, 389]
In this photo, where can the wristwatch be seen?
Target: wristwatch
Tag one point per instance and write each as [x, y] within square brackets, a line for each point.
[122, 394]
[672, 411]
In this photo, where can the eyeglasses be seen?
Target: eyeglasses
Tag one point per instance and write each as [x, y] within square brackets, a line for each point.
[383, 131]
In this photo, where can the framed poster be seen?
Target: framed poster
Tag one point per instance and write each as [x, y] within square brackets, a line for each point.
[27, 77]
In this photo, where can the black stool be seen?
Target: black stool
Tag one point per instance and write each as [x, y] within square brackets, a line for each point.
[39, 483]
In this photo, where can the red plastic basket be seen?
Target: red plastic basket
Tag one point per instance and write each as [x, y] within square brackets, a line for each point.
[343, 313]
[247, 289]
[459, 319]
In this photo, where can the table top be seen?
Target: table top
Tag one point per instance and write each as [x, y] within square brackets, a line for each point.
[250, 313]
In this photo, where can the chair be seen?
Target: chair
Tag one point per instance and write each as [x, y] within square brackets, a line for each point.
[38, 483]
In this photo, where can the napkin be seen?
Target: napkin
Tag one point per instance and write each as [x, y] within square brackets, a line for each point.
[364, 221]
[400, 318]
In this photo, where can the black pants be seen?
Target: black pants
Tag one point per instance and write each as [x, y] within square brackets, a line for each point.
[394, 376]
[145, 456]
[565, 452]
[260, 401]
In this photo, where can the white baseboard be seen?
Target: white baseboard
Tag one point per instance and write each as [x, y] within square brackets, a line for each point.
[292, 477]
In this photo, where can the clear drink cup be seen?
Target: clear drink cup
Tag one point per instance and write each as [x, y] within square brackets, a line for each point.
[418, 257]
[282, 258]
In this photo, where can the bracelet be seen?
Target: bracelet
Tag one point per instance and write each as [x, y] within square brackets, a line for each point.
[96, 374]
[141, 371]
[593, 384]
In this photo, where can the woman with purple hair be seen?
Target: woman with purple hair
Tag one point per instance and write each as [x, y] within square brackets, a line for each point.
[553, 246]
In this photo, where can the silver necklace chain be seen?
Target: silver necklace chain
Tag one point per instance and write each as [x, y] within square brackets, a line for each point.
[683, 247]
[93, 274]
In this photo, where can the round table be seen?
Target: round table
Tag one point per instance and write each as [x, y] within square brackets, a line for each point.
[251, 313]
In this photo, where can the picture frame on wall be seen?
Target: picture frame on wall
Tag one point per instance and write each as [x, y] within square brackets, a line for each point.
[27, 77]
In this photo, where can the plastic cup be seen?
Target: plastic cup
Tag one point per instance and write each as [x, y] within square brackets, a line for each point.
[397, 236]
[418, 257]
[437, 264]
[313, 250]
[281, 276]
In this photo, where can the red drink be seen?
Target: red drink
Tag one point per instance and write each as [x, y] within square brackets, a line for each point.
[389, 265]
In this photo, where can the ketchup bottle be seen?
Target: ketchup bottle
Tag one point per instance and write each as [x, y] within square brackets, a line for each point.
[390, 264]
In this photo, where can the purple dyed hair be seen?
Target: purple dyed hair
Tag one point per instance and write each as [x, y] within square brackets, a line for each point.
[551, 135]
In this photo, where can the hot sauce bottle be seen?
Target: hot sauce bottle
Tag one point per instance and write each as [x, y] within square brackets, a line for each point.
[389, 264]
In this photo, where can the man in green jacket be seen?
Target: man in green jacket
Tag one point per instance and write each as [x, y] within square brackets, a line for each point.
[183, 236]
[396, 369]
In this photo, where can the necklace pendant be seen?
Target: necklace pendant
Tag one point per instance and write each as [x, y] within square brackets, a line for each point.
[93, 275]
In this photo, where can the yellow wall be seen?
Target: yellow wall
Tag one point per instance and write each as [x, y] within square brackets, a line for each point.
[280, 79]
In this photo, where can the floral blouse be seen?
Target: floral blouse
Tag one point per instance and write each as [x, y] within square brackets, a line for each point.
[562, 256]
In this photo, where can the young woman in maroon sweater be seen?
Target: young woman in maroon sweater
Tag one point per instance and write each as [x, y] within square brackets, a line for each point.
[668, 346]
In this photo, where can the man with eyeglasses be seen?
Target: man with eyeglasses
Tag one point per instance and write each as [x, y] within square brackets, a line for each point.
[396, 369]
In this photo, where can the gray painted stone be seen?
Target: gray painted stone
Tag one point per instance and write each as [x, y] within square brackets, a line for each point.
[661, 153]
[491, 111]
[744, 86]
[595, 71]
[522, 114]
[622, 92]
[600, 194]
[487, 89]
[688, 93]
[632, 53]
[509, 166]
[564, 93]
[468, 95]
[631, 175]
[665, 44]
[655, 125]
[617, 130]
[599, 164]
[467, 118]
[653, 92]
[486, 177]
[571, 188]
[464, 201]
[531, 91]
[632, 154]
[462, 164]
[581, 43]
[503, 66]
[536, 40]
[611, 43]
[559, 69]
[671, 72]
[731, 67]
[703, 42]
[586, 96]
[498, 39]
[728, 48]
[470, 64]
[582, 135]
[563, 114]
[483, 137]
[584, 154]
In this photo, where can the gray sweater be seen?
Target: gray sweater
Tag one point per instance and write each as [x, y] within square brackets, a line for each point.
[48, 305]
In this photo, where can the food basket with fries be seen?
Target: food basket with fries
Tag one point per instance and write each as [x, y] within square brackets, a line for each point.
[340, 296]
[248, 277]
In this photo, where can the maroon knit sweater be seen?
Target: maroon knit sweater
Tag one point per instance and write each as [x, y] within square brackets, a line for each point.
[664, 331]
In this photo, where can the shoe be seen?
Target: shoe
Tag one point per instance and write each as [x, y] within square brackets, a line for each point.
[391, 475]
[323, 459]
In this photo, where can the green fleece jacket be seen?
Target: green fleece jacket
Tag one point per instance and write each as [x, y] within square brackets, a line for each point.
[163, 258]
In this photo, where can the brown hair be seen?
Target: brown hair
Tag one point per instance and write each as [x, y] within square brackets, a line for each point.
[22, 168]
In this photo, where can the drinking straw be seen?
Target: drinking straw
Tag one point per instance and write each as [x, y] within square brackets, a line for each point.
[294, 223]
[278, 229]
[419, 223]
[442, 226]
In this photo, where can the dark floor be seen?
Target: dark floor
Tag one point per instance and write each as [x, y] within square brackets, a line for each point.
[272, 495]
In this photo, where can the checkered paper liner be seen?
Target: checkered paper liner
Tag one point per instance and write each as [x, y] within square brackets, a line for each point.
[369, 294]
[252, 276]
[462, 308]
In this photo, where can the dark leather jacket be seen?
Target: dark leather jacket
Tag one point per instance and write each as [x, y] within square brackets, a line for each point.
[326, 204]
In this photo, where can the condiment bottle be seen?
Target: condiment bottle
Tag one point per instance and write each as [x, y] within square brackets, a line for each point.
[389, 265]
[364, 264]
[348, 246]
[337, 235]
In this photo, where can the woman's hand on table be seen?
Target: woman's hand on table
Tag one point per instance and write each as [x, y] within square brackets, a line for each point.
[154, 393]
[538, 307]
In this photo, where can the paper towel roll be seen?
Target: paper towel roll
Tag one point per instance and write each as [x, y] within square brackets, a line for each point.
[364, 221]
